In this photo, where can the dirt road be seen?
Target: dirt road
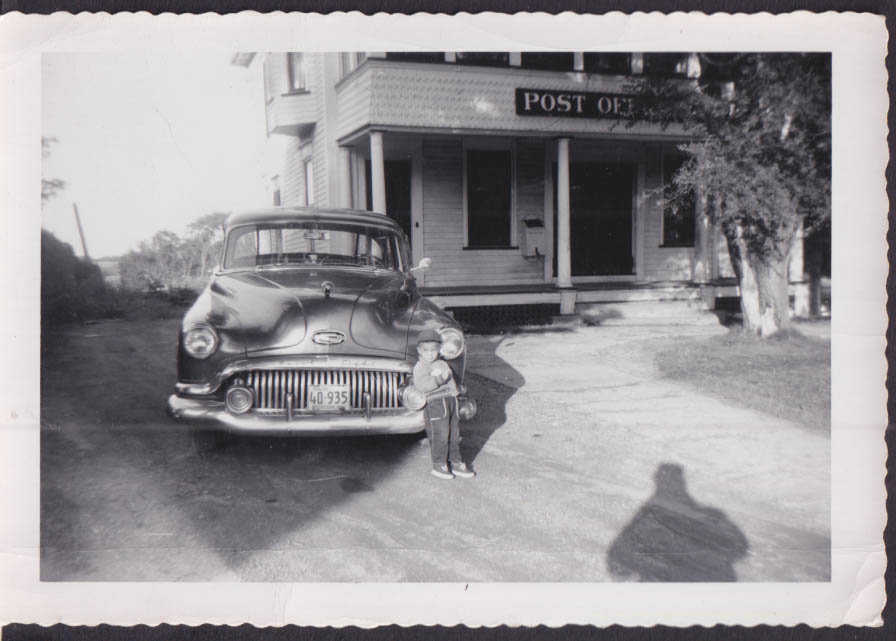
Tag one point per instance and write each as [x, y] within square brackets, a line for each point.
[591, 468]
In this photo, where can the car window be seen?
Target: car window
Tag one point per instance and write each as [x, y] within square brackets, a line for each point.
[312, 243]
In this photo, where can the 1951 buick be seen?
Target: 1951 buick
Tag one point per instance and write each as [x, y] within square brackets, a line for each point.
[309, 327]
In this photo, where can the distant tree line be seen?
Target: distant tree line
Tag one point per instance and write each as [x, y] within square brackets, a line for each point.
[73, 288]
[169, 262]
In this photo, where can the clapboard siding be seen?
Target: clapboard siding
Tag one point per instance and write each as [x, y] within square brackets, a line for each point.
[353, 101]
[319, 133]
[443, 232]
[529, 190]
[660, 263]
[292, 185]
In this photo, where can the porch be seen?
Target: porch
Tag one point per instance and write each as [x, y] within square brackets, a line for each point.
[584, 293]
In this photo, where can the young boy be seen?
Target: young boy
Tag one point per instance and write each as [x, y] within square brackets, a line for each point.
[433, 377]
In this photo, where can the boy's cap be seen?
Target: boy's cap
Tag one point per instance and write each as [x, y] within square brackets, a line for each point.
[429, 335]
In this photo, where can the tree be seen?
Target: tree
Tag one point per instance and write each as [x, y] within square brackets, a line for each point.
[207, 240]
[71, 288]
[49, 187]
[761, 164]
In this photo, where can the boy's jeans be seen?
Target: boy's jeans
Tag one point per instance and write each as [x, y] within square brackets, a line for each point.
[443, 430]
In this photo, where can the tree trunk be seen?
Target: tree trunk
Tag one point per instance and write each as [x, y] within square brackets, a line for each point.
[774, 294]
[764, 287]
[746, 279]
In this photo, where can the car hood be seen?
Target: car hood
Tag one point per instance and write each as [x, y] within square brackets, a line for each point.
[280, 309]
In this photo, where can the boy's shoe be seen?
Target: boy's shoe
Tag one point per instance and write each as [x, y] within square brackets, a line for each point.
[442, 472]
[462, 470]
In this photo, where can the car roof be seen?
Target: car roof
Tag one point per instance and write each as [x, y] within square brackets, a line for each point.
[302, 214]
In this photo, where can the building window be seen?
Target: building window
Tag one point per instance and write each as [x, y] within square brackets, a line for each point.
[295, 72]
[309, 182]
[416, 56]
[349, 61]
[483, 58]
[548, 61]
[275, 191]
[612, 63]
[665, 64]
[270, 80]
[678, 222]
[488, 177]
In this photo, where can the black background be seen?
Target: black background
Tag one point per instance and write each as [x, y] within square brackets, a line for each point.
[19, 632]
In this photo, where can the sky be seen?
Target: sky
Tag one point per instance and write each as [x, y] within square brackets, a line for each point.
[149, 141]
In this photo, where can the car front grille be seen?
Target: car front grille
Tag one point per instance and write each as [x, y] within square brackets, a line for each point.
[272, 386]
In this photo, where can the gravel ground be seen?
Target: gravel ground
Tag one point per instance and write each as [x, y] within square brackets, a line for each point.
[591, 467]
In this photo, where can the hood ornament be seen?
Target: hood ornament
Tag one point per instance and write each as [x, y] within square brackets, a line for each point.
[327, 287]
[328, 337]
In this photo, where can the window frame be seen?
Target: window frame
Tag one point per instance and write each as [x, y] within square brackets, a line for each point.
[666, 211]
[593, 55]
[490, 145]
[308, 173]
[276, 194]
[349, 61]
[289, 75]
[480, 62]
[416, 57]
[663, 73]
[570, 68]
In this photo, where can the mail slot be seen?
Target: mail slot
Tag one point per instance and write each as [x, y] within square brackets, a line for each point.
[534, 236]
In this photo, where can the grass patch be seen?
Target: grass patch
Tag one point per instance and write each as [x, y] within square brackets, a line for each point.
[788, 377]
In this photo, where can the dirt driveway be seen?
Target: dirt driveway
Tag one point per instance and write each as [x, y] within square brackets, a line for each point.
[591, 468]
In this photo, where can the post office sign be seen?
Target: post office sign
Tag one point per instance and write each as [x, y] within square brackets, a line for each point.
[575, 104]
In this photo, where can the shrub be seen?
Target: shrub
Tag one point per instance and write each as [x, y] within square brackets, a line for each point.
[72, 289]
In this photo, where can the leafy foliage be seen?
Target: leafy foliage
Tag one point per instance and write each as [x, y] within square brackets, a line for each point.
[759, 165]
[168, 261]
[763, 157]
[71, 288]
[49, 187]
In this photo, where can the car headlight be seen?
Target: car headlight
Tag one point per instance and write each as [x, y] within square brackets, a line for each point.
[452, 342]
[201, 341]
[412, 398]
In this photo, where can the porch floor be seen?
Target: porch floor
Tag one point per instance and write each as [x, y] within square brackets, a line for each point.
[549, 293]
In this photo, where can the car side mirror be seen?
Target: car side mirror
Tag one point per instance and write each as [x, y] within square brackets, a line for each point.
[424, 264]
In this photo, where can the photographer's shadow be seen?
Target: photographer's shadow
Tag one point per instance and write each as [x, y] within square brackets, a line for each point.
[674, 538]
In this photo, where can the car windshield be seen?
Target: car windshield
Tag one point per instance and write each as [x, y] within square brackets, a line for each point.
[312, 244]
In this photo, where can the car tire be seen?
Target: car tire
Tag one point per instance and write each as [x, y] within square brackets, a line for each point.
[205, 441]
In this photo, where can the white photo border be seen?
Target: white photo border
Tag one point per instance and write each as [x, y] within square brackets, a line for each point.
[855, 595]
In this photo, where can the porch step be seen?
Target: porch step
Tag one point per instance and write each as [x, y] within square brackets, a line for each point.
[653, 312]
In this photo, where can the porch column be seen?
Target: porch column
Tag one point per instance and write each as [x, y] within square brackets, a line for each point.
[564, 263]
[345, 178]
[702, 238]
[377, 172]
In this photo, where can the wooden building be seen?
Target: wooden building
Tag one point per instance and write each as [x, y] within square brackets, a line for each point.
[521, 175]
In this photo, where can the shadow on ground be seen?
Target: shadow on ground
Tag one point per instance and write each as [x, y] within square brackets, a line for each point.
[491, 395]
[674, 538]
[123, 492]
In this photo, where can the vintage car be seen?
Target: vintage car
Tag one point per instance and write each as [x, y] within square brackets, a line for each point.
[309, 327]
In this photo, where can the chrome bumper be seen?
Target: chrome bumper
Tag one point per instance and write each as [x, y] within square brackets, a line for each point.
[398, 421]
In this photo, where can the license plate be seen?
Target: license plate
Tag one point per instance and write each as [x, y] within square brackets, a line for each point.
[328, 397]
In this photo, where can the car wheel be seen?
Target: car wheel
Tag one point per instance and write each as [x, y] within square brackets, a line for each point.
[207, 440]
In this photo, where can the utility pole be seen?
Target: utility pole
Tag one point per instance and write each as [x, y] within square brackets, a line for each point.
[81, 231]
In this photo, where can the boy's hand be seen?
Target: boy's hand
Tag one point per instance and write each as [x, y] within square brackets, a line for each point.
[441, 372]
